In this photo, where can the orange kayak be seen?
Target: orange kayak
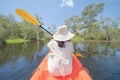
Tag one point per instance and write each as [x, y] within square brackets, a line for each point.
[78, 73]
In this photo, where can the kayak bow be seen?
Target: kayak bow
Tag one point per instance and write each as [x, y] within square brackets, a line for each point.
[79, 72]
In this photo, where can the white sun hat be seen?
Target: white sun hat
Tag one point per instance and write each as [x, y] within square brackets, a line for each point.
[63, 34]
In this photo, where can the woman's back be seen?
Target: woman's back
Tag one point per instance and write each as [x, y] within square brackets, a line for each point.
[67, 50]
[61, 58]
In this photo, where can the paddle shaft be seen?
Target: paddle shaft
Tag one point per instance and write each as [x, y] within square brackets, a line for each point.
[46, 30]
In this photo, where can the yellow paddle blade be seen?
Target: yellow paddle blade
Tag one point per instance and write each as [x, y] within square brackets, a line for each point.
[27, 17]
[78, 55]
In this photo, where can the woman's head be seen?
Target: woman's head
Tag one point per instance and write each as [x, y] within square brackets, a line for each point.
[63, 34]
[61, 43]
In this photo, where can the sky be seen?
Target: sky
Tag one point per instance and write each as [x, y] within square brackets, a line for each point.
[57, 11]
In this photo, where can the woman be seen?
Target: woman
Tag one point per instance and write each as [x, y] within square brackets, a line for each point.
[60, 60]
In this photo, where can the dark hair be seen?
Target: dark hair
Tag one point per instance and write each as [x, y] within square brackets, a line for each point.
[61, 43]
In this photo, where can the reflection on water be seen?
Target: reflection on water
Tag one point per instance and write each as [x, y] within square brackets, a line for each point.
[18, 61]
[101, 59]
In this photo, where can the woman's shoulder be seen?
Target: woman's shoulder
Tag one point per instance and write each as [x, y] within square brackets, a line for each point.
[51, 43]
[69, 43]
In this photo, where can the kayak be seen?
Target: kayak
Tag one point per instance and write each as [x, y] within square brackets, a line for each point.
[79, 71]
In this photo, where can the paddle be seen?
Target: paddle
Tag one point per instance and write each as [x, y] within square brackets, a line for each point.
[29, 18]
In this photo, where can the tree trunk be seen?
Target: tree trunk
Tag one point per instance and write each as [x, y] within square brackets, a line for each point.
[107, 36]
[37, 33]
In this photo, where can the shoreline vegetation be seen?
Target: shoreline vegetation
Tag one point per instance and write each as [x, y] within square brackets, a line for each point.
[75, 39]
[78, 39]
[16, 41]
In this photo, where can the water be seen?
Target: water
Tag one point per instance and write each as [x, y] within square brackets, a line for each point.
[102, 60]
[17, 62]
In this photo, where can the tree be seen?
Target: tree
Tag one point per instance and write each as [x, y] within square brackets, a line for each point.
[89, 13]
[74, 24]
[53, 28]
[38, 31]
[110, 28]
[2, 28]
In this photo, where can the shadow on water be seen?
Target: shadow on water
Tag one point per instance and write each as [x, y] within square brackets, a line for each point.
[101, 59]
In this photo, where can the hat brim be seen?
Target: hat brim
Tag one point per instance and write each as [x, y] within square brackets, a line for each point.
[66, 37]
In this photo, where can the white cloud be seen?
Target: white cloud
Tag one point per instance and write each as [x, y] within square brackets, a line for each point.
[68, 3]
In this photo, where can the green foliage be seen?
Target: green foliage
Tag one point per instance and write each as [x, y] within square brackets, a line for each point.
[15, 41]
[11, 29]
[88, 27]
[74, 24]
[77, 38]
[89, 13]
[2, 42]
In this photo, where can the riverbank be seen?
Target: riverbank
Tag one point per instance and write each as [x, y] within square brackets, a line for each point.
[79, 39]
[75, 40]
[16, 41]
[2, 42]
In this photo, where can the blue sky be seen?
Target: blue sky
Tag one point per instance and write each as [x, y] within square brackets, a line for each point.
[57, 11]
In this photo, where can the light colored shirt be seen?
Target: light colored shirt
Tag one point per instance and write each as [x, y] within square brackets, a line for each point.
[60, 61]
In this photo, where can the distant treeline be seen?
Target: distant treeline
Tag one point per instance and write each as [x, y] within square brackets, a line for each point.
[89, 26]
